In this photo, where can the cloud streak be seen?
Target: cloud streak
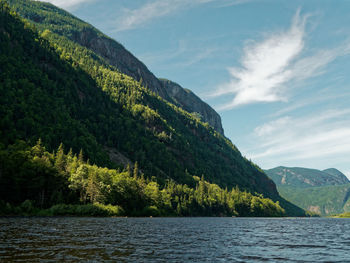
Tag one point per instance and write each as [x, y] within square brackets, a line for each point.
[265, 67]
[188, 52]
[159, 8]
[268, 68]
[68, 4]
[320, 138]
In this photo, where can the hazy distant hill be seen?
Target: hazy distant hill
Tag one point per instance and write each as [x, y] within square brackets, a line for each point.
[323, 200]
[324, 192]
[305, 177]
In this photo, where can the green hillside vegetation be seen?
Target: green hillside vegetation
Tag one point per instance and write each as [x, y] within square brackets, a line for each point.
[337, 174]
[322, 192]
[305, 177]
[54, 89]
[89, 105]
[43, 183]
[323, 200]
[343, 215]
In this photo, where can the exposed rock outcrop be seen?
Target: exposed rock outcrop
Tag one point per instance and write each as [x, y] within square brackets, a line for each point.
[116, 55]
[190, 102]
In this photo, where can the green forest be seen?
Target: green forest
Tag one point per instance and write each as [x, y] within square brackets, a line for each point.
[77, 98]
[37, 182]
[159, 159]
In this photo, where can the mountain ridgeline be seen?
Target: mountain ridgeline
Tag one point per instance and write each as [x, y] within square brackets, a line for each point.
[305, 177]
[324, 192]
[46, 16]
[62, 81]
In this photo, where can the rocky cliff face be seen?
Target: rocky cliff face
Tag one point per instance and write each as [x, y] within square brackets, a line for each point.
[116, 55]
[187, 100]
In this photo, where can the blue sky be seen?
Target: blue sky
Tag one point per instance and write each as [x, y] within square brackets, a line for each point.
[275, 70]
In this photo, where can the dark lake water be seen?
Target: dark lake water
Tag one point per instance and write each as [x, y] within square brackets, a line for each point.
[174, 240]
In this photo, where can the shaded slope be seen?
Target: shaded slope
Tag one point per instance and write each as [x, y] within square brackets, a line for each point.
[46, 15]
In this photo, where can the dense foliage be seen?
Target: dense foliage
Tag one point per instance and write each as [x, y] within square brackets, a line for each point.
[343, 215]
[323, 200]
[33, 178]
[54, 89]
[324, 192]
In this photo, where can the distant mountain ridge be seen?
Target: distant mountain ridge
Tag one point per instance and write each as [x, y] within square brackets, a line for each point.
[306, 177]
[324, 192]
[338, 174]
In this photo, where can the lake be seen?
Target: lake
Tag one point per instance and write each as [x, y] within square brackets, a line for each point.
[174, 239]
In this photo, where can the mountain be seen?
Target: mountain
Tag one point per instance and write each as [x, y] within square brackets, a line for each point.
[46, 16]
[324, 192]
[58, 90]
[322, 200]
[305, 177]
[337, 174]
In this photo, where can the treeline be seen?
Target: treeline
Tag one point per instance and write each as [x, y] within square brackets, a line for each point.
[34, 181]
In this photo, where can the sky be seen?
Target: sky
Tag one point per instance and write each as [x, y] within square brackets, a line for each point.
[275, 70]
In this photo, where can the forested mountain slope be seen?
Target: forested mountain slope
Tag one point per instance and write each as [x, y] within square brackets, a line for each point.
[324, 192]
[323, 200]
[46, 16]
[57, 90]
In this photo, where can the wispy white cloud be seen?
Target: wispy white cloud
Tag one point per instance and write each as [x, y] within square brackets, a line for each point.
[188, 53]
[269, 67]
[68, 4]
[236, 2]
[318, 98]
[158, 8]
[266, 67]
[198, 57]
[320, 139]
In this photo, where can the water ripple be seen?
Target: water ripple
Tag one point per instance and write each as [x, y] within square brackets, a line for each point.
[174, 240]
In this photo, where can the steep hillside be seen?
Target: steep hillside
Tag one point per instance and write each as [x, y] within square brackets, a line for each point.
[305, 177]
[46, 16]
[57, 90]
[188, 101]
[323, 192]
[323, 200]
[337, 174]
